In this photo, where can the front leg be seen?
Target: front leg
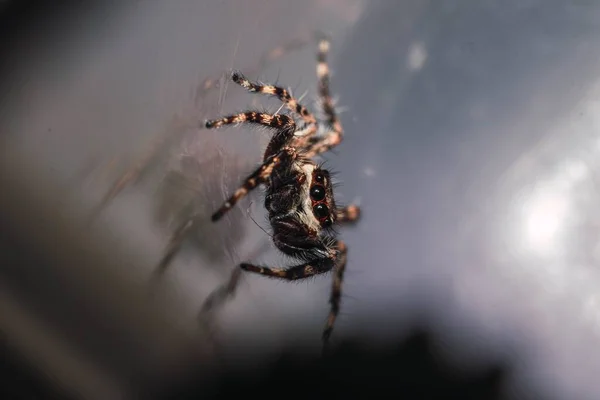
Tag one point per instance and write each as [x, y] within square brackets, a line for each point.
[302, 271]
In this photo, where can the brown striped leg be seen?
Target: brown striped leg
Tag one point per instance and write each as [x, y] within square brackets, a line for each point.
[310, 122]
[285, 130]
[302, 271]
[348, 214]
[336, 292]
[259, 176]
[284, 125]
[281, 122]
[334, 137]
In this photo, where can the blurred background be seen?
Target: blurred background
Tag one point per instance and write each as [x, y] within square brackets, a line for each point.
[471, 144]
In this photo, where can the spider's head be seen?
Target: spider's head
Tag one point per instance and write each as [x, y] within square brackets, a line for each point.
[321, 197]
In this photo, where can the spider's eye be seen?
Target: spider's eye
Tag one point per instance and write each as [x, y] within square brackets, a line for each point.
[321, 210]
[319, 177]
[317, 192]
[327, 223]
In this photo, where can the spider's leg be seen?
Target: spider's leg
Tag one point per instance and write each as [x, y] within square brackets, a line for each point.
[282, 122]
[324, 91]
[302, 271]
[259, 176]
[276, 150]
[337, 262]
[334, 137]
[310, 122]
[336, 292]
[284, 125]
[322, 258]
[348, 214]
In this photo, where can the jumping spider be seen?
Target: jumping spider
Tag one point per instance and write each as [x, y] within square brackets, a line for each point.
[299, 194]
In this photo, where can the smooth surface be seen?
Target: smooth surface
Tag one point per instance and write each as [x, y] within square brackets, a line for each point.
[472, 145]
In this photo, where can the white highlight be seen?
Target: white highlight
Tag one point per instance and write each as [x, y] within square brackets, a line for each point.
[545, 214]
[575, 171]
[417, 55]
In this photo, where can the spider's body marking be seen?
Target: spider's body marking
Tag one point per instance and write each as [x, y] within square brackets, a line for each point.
[304, 212]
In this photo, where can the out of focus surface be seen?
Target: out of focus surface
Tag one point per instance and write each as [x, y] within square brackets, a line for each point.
[471, 144]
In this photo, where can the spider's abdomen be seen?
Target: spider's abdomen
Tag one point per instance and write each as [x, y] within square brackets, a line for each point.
[293, 238]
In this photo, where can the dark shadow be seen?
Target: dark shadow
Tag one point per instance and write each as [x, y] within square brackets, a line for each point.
[18, 381]
[406, 370]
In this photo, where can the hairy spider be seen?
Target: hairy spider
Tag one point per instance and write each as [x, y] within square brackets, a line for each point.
[299, 195]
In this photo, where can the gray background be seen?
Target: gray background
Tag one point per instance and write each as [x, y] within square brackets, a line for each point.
[471, 145]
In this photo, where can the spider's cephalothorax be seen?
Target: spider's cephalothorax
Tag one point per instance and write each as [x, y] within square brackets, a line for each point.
[299, 197]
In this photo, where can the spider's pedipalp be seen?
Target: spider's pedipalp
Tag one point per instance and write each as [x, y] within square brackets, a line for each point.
[348, 214]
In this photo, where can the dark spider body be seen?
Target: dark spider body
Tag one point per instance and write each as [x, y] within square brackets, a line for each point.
[298, 204]
[299, 195]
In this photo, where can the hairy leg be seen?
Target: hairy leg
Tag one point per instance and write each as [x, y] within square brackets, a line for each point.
[259, 176]
[285, 127]
[280, 122]
[310, 122]
[331, 139]
[302, 271]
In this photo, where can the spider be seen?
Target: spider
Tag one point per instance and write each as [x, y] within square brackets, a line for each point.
[299, 196]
